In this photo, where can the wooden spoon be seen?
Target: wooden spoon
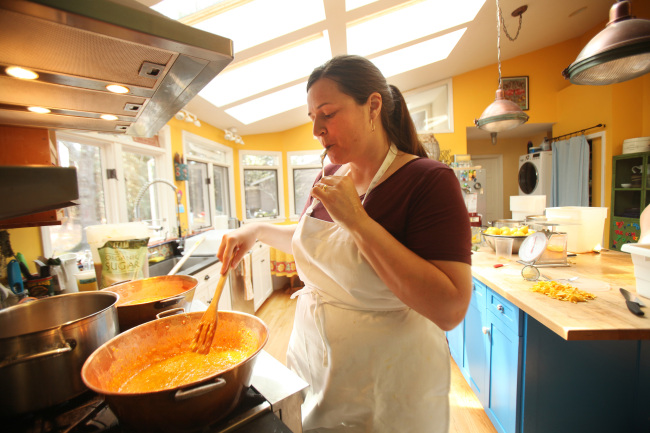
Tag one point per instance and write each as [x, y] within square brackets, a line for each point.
[208, 325]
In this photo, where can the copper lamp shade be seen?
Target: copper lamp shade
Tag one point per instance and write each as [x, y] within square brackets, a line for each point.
[620, 52]
[501, 115]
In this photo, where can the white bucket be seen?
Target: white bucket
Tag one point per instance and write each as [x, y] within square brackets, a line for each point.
[585, 226]
[641, 259]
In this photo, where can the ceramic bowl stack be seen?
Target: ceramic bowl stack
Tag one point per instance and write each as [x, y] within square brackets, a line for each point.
[635, 145]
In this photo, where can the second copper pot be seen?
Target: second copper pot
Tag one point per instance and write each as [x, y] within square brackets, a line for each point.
[142, 300]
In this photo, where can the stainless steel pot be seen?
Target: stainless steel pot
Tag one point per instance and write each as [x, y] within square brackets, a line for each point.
[185, 408]
[43, 345]
[168, 291]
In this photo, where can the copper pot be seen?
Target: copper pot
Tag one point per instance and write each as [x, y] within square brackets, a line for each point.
[166, 292]
[189, 407]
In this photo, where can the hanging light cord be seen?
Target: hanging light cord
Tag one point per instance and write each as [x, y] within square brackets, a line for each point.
[519, 12]
[499, 41]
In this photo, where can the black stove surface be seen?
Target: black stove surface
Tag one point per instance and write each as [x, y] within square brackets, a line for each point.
[89, 413]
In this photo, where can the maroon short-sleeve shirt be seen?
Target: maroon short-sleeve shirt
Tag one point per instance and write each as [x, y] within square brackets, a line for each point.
[422, 206]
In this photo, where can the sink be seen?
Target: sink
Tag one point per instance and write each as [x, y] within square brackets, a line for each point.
[193, 265]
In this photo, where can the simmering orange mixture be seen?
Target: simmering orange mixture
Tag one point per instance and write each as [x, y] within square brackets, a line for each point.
[187, 366]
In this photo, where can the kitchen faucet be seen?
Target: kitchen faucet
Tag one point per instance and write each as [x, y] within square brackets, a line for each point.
[178, 216]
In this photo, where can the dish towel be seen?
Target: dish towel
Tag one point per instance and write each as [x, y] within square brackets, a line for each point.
[570, 179]
[246, 274]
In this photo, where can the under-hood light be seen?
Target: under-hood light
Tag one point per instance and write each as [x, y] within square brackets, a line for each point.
[22, 73]
[41, 110]
[116, 88]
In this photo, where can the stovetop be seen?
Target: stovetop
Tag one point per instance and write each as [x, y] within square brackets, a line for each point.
[89, 413]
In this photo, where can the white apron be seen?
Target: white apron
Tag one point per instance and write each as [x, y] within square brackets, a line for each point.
[373, 364]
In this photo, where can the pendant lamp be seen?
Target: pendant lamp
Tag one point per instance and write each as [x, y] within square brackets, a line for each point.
[620, 52]
[502, 114]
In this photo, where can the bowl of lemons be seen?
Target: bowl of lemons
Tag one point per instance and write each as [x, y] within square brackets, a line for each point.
[518, 233]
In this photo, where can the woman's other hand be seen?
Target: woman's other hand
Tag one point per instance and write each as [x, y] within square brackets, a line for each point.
[339, 196]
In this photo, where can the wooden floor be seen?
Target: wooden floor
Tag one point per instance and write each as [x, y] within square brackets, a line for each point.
[467, 414]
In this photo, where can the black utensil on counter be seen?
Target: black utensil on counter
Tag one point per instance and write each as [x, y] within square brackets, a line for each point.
[631, 302]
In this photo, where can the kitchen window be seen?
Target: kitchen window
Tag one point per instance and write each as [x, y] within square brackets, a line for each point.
[431, 107]
[211, 181]
[110, 174]
[261, 179]
[303, 168]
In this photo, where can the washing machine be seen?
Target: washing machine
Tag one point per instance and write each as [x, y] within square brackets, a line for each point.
[534, 176]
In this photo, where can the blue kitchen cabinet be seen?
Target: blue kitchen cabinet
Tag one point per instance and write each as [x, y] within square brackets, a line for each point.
[477, 343]
[530, 380]
[505, 330]
[492, 349]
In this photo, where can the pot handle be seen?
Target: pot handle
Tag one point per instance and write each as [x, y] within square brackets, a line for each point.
[67, 347]
[168, 302]
[199, 390]
[171, 312]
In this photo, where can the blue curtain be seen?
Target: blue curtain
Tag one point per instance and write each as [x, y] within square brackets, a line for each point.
[570, 179]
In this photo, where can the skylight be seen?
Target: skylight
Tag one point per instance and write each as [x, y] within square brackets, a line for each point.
[418, 55]
[406, 24]
[259, 21]
[255, 77]
[269, 105]
[354, 4]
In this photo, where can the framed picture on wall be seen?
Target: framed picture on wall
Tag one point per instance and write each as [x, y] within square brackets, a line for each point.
[516, 90]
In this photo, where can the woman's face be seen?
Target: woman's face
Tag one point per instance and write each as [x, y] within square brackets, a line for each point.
[341, 125]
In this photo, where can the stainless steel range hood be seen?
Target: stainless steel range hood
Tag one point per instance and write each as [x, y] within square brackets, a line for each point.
[78, 47]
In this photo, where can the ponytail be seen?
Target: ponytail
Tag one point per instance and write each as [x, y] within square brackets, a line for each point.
[400, 127]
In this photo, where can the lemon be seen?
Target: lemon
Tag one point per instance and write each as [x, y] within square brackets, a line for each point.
[505, 231]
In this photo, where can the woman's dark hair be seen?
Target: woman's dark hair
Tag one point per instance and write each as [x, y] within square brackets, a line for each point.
[358, 78]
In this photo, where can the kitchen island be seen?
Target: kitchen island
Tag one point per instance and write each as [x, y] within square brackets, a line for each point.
[541, 365]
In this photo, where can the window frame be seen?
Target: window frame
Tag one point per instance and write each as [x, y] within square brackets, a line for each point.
[294, 210]
[188, 137]
[278, 168]
[110, 147]
[415, 93]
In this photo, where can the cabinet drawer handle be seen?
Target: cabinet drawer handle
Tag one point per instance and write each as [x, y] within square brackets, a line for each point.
[207, 277]
[485, 330]
[500, 307]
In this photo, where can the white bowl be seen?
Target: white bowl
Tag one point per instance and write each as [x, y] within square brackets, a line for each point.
[626, 185]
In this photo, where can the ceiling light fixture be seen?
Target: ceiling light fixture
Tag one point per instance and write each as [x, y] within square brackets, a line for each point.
[22, 73]
[231, 135]
[620, 52]
[116, 88]
[188, 117]
[108, 117]
[40, 110]
[502, 114]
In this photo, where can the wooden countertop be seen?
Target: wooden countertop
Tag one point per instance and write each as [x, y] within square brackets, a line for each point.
[604, 318]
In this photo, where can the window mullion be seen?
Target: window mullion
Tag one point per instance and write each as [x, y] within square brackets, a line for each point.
[111, 186]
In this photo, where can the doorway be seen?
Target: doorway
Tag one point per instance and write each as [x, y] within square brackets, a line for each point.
[493, 165]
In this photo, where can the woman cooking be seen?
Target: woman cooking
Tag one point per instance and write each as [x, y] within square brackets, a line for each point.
[383, 248]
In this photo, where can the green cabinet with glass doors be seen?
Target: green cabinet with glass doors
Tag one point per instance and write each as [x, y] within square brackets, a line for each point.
[630, 195]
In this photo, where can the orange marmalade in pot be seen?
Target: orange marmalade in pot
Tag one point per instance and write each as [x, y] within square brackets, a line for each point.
[186, 367]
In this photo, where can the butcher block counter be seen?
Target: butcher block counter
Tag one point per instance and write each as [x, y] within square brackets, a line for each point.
[604, 318]
[541, 365]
